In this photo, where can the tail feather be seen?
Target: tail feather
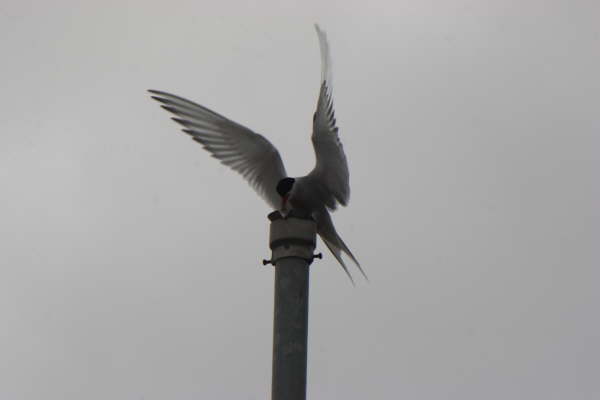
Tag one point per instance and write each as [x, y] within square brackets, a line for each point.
[349, 253]
[334, 242]
[337, 254]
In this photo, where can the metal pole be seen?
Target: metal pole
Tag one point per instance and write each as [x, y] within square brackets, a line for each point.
[292, 240]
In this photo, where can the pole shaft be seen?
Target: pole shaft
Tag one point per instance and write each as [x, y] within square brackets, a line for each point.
[290, 329]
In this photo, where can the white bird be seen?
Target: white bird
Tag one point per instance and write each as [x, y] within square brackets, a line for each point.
[259, 162]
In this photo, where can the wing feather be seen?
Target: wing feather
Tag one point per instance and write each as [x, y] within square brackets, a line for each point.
[331, 168]
[236, 146]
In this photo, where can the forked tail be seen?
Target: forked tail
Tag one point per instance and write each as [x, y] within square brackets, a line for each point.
[334, 242]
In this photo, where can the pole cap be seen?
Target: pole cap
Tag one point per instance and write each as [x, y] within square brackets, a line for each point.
[292, 236]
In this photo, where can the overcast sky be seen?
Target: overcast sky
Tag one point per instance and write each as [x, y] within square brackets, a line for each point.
[130, 259]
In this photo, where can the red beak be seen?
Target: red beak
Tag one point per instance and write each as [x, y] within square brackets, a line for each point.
[284, 201]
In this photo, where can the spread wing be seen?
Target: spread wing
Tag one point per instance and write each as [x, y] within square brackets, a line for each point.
[331, 169]
[236, 146]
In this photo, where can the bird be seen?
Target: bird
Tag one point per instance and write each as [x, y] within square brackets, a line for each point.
[259, 162]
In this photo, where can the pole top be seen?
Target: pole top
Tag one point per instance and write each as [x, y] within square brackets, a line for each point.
[292, 236]
[300, 214]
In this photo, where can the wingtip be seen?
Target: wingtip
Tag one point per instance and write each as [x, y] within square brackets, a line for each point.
[156, 95]
[181, 121]
[320, 31]
[159, 93]
[170, 109]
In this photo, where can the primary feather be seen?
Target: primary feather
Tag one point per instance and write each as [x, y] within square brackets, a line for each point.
[331, 168]
[236, 146]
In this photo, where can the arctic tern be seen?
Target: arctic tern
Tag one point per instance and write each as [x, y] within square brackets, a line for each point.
[259, 162]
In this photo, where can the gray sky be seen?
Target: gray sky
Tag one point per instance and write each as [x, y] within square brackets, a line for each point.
[131, 259]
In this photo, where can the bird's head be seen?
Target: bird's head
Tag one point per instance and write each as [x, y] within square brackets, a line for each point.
[284, 188]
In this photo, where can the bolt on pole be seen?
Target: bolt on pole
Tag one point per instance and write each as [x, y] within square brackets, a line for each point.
[292, 241]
